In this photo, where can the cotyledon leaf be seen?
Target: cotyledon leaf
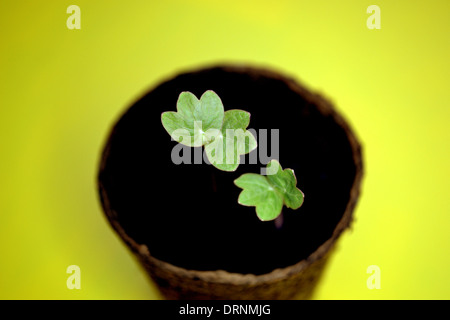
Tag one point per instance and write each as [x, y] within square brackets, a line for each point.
[269, 193]
[204, 123]
[196, 122]
[284, 181]
[232, 142]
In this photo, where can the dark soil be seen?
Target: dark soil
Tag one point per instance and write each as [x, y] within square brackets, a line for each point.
[188, 215]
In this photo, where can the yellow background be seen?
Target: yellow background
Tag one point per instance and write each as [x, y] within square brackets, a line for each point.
[61, 90]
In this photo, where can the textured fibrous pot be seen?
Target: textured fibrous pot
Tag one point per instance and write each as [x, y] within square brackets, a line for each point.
[296, 280]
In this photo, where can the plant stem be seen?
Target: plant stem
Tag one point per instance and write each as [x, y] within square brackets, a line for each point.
[279, 221]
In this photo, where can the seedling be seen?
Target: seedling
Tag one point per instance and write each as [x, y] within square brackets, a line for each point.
[204, 123]
[224, 136]
[269, 193]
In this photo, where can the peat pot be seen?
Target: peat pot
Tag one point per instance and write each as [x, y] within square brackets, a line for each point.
[183, 221]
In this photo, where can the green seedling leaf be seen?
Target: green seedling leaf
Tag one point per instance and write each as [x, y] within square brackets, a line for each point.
[258, 192]
[204, 123]
[269, 193]
[233, 141]
[196, 122]
[284, 182]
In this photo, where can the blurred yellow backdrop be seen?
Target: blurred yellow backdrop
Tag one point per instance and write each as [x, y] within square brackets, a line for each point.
[61, 90]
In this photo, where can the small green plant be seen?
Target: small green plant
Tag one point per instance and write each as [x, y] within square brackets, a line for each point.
[224, 136]
[204, 123]
[269, 193]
